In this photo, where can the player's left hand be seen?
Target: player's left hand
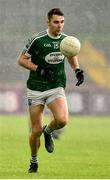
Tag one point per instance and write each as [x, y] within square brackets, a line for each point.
[79, 76]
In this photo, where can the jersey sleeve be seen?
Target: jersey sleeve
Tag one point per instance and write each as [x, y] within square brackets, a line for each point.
[29, 47]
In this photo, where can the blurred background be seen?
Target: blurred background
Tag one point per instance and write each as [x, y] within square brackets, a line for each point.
[87, 20]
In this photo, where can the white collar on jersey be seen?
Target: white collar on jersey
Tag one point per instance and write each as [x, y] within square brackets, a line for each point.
[53, 37]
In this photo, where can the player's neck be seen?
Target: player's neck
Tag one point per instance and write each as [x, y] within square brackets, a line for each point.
[52, 35]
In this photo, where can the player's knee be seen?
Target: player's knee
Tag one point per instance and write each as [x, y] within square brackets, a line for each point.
[62, 121]
[37, 131]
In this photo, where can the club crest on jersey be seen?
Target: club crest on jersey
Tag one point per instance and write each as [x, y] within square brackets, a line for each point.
[54, 58]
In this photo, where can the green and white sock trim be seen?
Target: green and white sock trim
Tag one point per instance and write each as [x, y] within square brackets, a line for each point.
[47, 129]
[33, 159]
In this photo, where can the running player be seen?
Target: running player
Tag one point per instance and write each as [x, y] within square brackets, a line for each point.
[46, 82]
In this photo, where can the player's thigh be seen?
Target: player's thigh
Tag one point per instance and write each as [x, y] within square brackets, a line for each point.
[36, 116]
[59, 109]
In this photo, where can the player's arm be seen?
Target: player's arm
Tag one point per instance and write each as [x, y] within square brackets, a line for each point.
[73, 61]
[26, 62]
[24, 58]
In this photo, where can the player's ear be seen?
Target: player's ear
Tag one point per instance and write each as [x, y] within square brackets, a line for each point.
[47, 22]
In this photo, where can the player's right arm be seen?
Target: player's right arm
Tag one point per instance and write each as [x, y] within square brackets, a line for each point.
[26, 62]
[24, 58]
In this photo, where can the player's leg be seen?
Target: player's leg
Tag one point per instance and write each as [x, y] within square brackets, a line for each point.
[56, 133]
[36, 113]
[59, 110]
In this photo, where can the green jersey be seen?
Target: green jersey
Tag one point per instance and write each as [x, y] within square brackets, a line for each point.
[44, 50]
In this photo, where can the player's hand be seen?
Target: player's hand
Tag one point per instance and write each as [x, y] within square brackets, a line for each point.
[79, 76]
[45, 73]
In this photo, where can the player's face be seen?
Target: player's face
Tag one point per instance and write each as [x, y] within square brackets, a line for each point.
[56, 24]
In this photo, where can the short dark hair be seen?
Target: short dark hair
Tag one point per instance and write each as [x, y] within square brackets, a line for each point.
[55, 11]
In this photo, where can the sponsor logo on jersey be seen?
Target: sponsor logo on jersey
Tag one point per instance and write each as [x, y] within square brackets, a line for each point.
[54, 58]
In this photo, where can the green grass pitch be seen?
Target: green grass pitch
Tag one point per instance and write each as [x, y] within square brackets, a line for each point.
[83, 151]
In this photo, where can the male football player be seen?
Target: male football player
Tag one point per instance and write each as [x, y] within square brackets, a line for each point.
[46, 82]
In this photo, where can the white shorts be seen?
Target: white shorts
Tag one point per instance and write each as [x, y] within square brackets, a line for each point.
[37, 97]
